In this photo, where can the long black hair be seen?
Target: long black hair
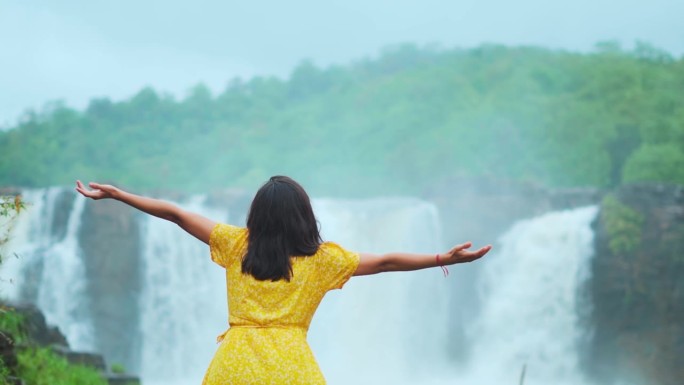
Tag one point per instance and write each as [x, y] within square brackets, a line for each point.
[281, 224]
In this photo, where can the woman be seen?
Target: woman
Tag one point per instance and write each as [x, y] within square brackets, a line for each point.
[277, 271]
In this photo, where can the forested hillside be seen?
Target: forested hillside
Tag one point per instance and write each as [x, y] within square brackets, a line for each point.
[403, 122]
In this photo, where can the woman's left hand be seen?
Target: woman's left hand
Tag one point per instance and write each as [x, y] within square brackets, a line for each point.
[99, 191]
[461, 254]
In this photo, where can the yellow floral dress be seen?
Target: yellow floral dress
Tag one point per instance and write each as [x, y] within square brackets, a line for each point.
[266, 342]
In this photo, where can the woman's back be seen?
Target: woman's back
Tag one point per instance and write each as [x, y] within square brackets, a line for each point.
[266, 342]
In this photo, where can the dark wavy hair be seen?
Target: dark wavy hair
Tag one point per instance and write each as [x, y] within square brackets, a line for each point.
[281, 224]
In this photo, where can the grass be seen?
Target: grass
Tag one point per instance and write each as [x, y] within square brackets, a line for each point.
[40, 365]
[11, 322]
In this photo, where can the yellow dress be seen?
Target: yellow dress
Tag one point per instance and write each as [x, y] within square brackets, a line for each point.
[266, 342]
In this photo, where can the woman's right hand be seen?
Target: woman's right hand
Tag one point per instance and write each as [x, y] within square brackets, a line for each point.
[99, 191]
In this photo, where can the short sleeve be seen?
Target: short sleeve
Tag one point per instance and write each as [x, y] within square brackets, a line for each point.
[338, 265]
[226, 243]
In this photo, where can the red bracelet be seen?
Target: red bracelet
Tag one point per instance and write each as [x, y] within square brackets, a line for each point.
[444, 268]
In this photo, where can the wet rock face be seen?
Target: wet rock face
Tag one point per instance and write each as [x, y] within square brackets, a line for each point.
[63, 206]
[7, 354]
[36, 328]
[638, 294]
[110, 241]
[39, 333]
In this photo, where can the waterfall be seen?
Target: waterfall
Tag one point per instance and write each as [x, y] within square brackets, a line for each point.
[529, 292]
[391, 328]
[49, 270]
[183, 304]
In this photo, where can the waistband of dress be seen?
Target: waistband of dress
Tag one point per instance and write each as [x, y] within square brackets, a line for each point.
[284, 327]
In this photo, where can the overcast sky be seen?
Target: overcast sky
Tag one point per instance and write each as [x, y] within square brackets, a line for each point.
[75, 50]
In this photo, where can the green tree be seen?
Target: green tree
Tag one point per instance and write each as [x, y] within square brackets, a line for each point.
[656, 162]
[409, 119]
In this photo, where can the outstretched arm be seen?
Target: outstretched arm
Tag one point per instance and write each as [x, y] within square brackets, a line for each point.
[195, 224]
[374, 264]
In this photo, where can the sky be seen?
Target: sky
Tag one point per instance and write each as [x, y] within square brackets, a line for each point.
[74, 51]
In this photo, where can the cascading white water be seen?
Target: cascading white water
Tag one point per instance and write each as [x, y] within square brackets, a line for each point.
[55, 264]
[183, 305]
[391, 328]
[529, 301]
[29, 234]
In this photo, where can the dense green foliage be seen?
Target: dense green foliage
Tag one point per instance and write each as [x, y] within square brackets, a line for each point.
[41, 366]
[623, 225]
[407, 121]
[4, 374]
[11, 330]
[656, 162]
[11, 322]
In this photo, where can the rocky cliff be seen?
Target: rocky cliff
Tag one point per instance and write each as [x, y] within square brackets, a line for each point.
[110, 241]
[637, 288]
[36, 334]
